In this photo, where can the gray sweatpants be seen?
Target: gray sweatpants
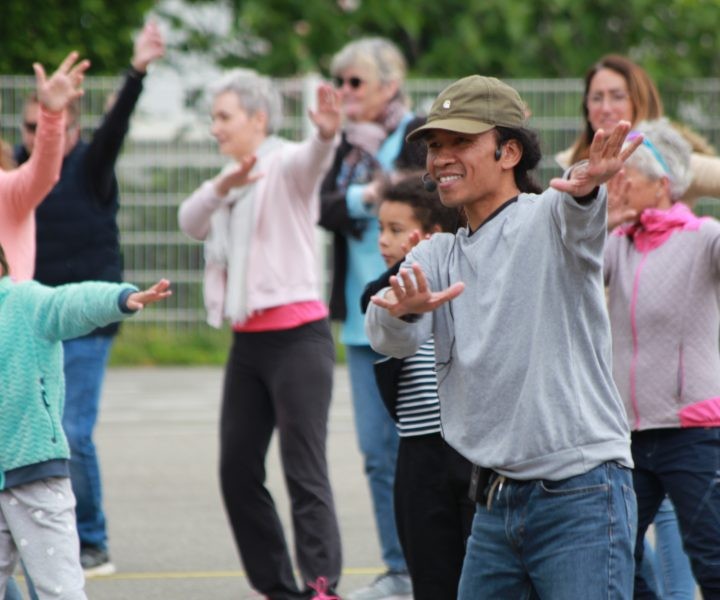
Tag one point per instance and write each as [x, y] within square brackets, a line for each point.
[37, 524]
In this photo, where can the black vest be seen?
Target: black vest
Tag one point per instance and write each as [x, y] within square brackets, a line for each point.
[77, 234]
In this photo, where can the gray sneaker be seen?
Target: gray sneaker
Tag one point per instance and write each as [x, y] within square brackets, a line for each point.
[95, 562]
[390, 586]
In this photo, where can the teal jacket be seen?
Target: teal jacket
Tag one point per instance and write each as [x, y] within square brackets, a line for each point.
[34, 319]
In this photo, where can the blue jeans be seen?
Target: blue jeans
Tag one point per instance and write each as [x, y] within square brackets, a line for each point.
[666, 568]
[12, 592]
[85, 361]
[683, 464]
[559, 540]
[378, 441]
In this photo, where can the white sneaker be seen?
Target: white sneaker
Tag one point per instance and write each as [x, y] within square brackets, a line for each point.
[389, 586]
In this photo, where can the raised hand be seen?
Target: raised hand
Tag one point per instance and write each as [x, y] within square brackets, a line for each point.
[328, 116]
[607, 157]
[413, 240]
[237, 177]
[155, 293]
[414, 297]
[619, 210]
[63, 86]
[149, 46]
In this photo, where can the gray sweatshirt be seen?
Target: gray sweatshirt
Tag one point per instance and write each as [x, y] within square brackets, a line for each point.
[523, 355]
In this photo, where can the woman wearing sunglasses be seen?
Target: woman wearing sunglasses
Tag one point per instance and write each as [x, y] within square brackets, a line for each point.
[369, 73]
[662, 269]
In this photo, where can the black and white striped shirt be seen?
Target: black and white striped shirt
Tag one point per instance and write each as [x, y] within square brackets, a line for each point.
[418, 407]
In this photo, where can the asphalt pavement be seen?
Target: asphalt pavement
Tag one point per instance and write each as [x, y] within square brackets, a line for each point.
[169, 538]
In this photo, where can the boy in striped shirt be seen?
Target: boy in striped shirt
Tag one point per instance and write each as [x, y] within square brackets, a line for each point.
[432, 509]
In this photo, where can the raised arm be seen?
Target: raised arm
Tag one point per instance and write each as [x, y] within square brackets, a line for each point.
[108, 139]
[25, 187]
[309, 162]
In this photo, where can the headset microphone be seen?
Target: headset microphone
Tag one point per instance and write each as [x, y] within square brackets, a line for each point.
[428, 184]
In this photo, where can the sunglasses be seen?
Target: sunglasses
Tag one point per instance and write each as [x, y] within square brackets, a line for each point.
[30, 127]
[353, 82]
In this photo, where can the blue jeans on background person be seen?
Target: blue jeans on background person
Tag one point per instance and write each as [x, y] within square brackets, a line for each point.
[378, 440]
[561, 540]
[666, 567]
[12, 591]
[85, 362]
[683, 464]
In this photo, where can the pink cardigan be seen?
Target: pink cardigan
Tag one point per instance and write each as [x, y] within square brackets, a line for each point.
[24, 188]
[282, 263]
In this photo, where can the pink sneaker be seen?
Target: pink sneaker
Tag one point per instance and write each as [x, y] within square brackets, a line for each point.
[321, 590]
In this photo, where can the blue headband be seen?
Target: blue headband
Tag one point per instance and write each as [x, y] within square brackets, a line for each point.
[655, 152]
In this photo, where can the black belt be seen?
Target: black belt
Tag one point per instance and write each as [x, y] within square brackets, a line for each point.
[485, 482]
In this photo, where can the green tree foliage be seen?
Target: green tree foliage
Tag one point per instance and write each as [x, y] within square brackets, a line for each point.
[46, 30]
[451, 38]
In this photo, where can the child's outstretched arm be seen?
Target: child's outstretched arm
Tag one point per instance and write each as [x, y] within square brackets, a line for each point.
[155, 293]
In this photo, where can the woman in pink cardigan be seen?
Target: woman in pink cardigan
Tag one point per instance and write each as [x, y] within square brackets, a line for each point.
[662, 269]
[257, 219]
[22, 189]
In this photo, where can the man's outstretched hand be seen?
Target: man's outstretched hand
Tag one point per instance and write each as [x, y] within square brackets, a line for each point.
[414, 296]
[607, 157]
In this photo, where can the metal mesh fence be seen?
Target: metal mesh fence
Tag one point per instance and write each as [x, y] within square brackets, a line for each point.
[160, 166]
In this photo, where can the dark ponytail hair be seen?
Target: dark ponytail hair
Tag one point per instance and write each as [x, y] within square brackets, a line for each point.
[4, 263]
[530, 159]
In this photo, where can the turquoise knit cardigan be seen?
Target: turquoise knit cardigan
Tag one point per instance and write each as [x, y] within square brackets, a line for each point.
[34, 319]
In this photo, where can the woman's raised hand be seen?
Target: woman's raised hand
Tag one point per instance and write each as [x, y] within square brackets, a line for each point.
[327, 116]
[64, 85]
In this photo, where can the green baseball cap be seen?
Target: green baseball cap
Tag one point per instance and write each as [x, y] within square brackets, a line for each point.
[474, 104]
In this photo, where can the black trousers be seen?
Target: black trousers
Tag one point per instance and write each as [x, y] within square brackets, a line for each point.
[280, 379]
[433, 514]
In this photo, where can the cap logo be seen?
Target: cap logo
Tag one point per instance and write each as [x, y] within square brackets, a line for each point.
[447, 104]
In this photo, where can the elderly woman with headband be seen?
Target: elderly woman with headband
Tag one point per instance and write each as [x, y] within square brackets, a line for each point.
[618, 89]
[662, 270]
[369, 73]
[257, 218]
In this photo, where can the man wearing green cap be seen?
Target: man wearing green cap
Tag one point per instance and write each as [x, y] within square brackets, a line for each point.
[516, 304]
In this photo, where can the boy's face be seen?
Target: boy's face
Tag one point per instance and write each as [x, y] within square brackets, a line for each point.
[397, 222]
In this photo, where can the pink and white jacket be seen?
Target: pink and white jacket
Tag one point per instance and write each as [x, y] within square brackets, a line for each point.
[269, 257]
[663, 278]
[22, 189]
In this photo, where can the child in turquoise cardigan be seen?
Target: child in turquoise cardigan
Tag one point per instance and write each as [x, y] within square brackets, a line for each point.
[37, 516]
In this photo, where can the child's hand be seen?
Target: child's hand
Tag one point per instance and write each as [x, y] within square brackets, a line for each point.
[413, 240]
[159, 291]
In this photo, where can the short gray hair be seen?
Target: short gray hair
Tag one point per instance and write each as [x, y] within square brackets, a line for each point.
[378, 53]
[255, 93]
[664, 153]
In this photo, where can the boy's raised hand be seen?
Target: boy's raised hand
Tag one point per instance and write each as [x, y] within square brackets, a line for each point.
[155, 293]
